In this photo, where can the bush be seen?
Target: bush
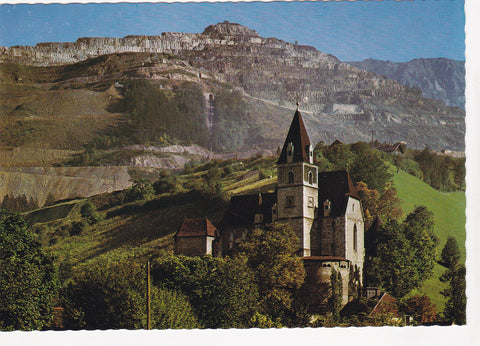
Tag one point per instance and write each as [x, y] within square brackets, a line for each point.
[89, 212]
[112, 296]
[141, 190]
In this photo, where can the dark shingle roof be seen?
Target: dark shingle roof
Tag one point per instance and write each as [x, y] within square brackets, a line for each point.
[336, 187]
[242, 209]
[196, 227]
[297, 134]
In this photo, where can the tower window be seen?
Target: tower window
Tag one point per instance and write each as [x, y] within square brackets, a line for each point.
[310, 177]
[291, 177]
[290, 202]
[354, 237]
[311, 202]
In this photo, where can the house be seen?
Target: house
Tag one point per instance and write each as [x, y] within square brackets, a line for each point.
[196, 237]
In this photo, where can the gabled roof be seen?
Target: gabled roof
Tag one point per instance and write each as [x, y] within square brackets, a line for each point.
[385, 305]
[197, 227]
[242, 209]
[297, 135]
[336, 187]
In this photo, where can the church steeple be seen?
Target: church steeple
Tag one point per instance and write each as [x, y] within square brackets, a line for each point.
[297, 146]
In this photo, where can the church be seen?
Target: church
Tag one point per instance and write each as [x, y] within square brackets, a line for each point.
[322, 208]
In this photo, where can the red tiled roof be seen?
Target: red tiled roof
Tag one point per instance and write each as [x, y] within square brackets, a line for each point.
[386, 304]
[297, 134]
[197, 227]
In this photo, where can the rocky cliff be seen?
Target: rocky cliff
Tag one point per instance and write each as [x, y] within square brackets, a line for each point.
[338, 101]
[440, 78]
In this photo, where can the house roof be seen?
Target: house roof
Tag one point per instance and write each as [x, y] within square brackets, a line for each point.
[386, 304]
[242, 209]
[297, 135]
[388, 147]
[337, 187]
[197, 227]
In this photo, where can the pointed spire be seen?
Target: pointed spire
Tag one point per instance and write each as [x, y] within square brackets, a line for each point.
[297, 140]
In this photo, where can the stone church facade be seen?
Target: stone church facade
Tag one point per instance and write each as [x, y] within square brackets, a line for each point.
[322, 208]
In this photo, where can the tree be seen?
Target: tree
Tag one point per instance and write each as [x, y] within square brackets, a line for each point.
[271, 254]
[141, 189]
[371, 169]
[339, 155]
[418, 227]
[420, 308]
[450, 253]
[400, 256]
[113, 296]
[336, 293]
[386, 205]
[166, 183]
[221, 291]
[28, 283]
[89, 212]
[455, 307]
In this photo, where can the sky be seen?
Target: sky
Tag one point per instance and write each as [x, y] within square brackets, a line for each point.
[350, 30]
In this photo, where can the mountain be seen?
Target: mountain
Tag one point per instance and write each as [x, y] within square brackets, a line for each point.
[228, 89]
[438, 78]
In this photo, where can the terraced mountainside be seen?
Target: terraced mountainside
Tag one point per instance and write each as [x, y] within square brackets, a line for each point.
[338, 101]
[440, 78]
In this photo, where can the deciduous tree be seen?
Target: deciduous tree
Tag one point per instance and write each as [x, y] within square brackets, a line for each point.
[28, 283]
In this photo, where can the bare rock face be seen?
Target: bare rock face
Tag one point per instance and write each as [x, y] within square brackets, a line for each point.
[338, 101]
[230, 29]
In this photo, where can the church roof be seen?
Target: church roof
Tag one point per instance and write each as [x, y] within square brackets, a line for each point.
[242, 209]
[297, 135]
[196, 227]
[337, 187]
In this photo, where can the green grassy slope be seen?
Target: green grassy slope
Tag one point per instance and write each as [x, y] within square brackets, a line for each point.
[449, 218]
[448, 208]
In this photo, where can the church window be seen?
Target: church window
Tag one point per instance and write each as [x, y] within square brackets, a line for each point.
[290, 149]
[291, 177]
[311, 202]
[310, 177]
[354, 237]
[290, 202]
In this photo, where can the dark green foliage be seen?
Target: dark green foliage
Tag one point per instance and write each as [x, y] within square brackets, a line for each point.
[221, 291]
[369, 168]
[336, 293]
[443, 173]
[450, 253]
[455, 308]
[141, 189]
[339, 155]
[401, 256]
[166, 183]
[89, 213]
[113, 296]
[157, 113]
[231, 126]
[28, 283]
[278, 271]
[77, 227]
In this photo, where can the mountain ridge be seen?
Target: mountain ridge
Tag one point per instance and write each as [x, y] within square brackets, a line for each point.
[438, 78]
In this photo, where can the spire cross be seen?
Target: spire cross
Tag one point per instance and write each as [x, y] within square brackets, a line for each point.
[298, 104]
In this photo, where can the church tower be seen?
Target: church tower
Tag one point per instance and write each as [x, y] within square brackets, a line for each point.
[297, 194]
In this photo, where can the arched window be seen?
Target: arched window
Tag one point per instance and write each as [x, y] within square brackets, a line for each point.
[291, 177]
[354, 237]
[310, 177]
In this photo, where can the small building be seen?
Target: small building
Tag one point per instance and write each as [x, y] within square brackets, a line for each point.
[197, 237]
